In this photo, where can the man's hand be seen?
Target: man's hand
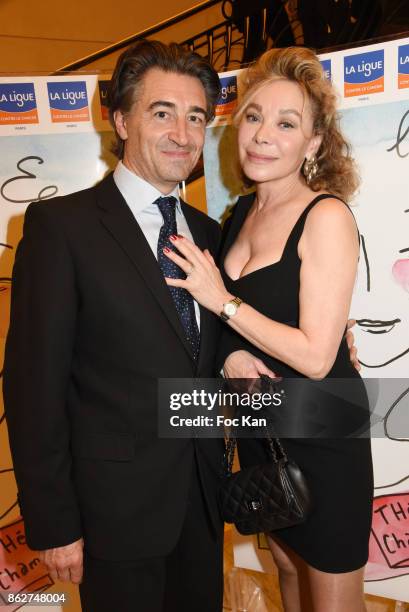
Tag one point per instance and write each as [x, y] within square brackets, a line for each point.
[64, 562]
[242, 364]
[353, 353]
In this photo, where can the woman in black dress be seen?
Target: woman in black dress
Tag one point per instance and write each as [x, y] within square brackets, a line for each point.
[290, 254]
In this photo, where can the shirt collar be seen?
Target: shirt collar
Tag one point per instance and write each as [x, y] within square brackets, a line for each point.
[138, 193]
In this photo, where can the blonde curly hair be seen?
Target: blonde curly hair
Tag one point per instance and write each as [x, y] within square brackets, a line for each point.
[337, 172]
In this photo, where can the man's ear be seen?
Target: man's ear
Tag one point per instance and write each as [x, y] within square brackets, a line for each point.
[120, 124]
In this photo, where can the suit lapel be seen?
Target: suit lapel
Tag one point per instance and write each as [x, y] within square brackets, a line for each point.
[196, 226]
[118, 219]
[198, 230]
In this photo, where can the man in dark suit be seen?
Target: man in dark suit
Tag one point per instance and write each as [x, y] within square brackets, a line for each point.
[93, 326]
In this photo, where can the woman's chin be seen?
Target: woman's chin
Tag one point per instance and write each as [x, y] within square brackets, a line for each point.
[258, 175]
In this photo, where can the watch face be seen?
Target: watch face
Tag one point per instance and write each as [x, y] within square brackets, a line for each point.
[230, 309]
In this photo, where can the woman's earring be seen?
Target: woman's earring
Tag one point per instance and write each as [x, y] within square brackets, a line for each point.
[310, 168]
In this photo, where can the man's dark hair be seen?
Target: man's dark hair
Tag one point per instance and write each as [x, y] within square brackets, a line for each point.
[146, 54]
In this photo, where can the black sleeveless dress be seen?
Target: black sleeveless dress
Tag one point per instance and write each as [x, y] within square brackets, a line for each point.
[335, 536]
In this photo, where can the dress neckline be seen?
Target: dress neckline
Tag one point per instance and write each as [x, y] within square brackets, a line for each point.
[263, 268]
[279, 261]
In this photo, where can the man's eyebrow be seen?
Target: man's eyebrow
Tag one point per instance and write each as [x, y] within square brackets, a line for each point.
[161, 103]
[167, 104]
[197, 109]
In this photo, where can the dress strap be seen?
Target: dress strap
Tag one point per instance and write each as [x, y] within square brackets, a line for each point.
[296, 232]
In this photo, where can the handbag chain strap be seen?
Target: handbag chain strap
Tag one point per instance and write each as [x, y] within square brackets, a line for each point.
[273, 443]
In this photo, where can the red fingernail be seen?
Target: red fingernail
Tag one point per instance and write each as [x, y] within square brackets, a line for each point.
[173, 237]
[166, 249]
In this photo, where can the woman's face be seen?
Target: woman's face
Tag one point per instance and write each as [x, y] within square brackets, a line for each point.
[276, 132]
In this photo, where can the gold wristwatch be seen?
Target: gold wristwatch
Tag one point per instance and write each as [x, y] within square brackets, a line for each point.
[230, 309]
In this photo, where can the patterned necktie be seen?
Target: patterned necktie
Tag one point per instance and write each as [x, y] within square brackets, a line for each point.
[182, 298]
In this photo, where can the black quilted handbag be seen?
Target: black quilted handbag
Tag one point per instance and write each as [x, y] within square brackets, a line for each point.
[265, 497]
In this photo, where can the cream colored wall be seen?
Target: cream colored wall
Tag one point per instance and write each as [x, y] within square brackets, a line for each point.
[42, 36]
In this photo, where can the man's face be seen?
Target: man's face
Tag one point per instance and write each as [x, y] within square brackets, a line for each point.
[164, 130]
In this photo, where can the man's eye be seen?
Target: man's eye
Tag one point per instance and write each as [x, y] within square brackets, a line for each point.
[196, 119]
[161, 114]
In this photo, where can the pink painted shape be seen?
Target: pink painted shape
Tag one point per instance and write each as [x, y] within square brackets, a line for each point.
[20, 569]
[400, 271]
[389, 541]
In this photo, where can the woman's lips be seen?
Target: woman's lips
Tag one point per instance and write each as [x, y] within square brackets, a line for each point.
[377, 326]
[257, 158]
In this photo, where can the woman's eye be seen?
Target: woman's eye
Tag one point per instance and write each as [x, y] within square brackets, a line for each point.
[286, 124]
[251, 118]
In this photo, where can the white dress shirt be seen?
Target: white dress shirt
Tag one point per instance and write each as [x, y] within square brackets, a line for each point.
[140, 197]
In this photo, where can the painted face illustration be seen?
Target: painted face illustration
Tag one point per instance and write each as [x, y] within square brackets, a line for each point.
[383, 323]
[381, 298]
[380, 302]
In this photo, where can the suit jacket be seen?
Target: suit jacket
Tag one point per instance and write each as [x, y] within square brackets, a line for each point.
[93, 326]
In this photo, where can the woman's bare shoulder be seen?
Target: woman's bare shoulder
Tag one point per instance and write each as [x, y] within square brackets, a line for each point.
[330, 211]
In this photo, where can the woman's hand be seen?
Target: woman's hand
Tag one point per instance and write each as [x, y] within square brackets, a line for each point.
[242, 364]
[203, 279]
[353, 352]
